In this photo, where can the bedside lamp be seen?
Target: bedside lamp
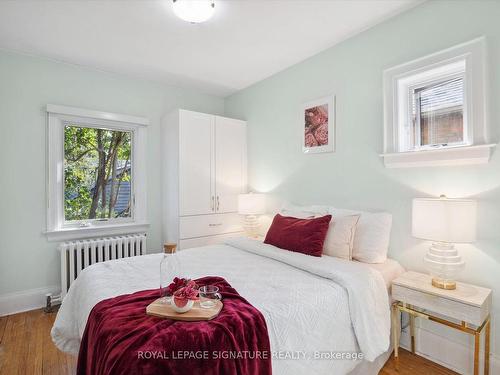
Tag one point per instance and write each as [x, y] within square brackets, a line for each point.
[445, 222]
[251, 205]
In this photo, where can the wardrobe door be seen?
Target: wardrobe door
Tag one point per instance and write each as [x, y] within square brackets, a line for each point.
[230, 163]
[196, 164]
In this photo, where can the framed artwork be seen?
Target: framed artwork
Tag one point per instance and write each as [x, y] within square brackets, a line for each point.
[318, 121]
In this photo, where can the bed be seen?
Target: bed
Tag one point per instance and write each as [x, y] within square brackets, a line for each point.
[313, 306]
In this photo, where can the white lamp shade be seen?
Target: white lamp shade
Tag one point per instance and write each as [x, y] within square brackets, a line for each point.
[444, 220]
[251, 204]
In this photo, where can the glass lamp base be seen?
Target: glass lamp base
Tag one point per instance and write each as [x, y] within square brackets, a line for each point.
[444, 263]
[251, 226]
[444, 284]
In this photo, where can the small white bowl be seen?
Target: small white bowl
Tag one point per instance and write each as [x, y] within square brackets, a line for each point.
[188, 306]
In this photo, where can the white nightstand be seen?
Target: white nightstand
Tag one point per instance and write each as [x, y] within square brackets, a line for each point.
[467, 307]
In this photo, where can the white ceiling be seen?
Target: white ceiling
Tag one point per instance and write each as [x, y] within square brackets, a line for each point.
[245, 42]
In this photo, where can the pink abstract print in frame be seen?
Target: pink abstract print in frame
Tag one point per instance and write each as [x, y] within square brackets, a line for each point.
[318, 125]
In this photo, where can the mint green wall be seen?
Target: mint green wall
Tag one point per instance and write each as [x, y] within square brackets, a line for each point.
[354, 176]
[27, 84]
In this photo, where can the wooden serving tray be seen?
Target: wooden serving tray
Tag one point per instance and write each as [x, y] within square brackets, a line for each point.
[197, 313]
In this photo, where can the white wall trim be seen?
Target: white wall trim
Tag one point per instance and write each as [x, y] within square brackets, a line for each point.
[446, 352]
[89, 113]
[25, 300]
[96, 231]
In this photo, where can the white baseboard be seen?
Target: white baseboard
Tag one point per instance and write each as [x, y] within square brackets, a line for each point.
[25, 300]
[448, 353]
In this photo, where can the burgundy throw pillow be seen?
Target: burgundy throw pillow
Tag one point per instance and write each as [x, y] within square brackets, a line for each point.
[304, 236]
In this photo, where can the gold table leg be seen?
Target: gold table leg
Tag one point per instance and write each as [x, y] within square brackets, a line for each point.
[412, 332]
[476, 353]
[487, 348]
[395, 330]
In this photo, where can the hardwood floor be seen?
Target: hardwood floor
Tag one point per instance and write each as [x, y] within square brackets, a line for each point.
[27, 349]
[411, 364]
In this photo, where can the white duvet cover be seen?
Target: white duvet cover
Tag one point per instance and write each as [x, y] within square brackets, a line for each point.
[313, 307]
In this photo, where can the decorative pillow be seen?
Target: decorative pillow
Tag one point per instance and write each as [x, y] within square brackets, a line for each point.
[340, 236]
[305, 236]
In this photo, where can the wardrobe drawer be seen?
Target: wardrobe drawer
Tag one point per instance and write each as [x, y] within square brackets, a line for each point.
[209, 225]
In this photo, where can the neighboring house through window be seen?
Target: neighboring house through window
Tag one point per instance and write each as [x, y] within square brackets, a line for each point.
[438, 114]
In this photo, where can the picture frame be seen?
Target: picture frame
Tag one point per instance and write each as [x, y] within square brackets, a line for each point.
[318, 125]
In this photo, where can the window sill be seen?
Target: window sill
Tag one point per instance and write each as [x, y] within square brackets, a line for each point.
[95, 231]
[467, 155]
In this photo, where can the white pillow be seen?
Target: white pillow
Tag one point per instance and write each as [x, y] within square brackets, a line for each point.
[340, 236]
[372, 244]
[371, 240]
[299, 214]
[302, 212]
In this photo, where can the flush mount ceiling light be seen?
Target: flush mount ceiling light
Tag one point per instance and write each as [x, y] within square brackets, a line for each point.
[194, 11]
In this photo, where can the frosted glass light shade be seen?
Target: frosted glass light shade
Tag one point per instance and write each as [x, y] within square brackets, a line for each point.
[194, 11]
[251, 204]
[444, 220]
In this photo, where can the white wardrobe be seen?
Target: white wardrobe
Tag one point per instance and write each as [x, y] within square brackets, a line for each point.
[203, 171]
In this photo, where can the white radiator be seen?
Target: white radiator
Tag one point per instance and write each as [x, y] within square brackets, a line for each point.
[76, 255]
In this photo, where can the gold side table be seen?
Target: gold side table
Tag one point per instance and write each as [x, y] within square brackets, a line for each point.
[467, 309]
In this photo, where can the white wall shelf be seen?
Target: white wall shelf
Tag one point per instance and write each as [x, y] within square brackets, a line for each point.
[467, 155]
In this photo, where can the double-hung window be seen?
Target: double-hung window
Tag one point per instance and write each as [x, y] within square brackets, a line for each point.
[435, 109]
[96, 173]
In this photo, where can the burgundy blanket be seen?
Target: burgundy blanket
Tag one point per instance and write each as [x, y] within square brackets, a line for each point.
[121, 339]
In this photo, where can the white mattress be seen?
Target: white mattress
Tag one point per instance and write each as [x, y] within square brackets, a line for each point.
[389, 270]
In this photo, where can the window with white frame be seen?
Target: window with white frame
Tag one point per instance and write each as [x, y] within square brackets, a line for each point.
[96, 173]
[435, 109]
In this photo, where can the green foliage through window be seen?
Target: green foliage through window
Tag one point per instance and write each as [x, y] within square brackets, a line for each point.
[97, 173]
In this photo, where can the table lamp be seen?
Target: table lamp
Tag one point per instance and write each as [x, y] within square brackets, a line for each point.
[445, 222]
[251, 205]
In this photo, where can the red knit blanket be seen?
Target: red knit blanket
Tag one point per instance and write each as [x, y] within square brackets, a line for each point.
[121, 339]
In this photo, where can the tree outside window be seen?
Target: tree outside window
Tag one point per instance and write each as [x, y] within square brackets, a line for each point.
[97, 173]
